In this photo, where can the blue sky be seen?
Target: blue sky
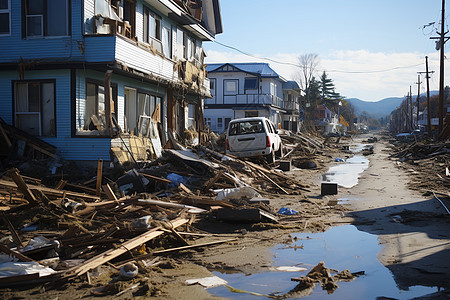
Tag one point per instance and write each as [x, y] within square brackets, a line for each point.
[348, 36]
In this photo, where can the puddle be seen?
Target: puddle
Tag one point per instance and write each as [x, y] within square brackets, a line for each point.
[355, 148]
[342, 247]
[346, 174]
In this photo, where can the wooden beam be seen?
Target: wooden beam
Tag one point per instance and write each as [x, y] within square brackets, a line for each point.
[155, 178]
[109, 193]
[51, 191]
[11, 228]
[123, 248]
[99, 177]
[22, 186]
[19, 255]
[192, 246]
[61, 184]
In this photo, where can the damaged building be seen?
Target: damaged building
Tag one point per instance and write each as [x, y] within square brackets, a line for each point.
[76, 73]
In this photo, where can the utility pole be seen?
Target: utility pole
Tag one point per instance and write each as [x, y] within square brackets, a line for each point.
[411, 109]
[440, 46]
[417, 100]
[428, 98]
[428, 95]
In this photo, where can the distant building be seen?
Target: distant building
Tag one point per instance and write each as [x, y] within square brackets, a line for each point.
[241, 90]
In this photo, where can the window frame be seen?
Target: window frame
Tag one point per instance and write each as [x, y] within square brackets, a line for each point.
[114, 94]
[7, 11]
[44, 23]
[212, 90]
[157, 25]
[252, 87]
[40, 113]
[228, 93]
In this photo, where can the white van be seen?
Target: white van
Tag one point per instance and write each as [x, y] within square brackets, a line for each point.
[249, 137]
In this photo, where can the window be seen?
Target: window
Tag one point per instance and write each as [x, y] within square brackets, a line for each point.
[45, 18]
[167, 41]
[91, 112]
[251, 83]
[273, 89]
[246, 127]
[227, 122]
[230, 87]
[152, 26]
[5, 12]
[180, 44]
[212, 86]
[189, 47]
[34, 107]
[191, 116]
[219, 124]
[251, 114]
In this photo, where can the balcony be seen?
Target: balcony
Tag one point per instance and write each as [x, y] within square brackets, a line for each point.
[265, 99]
[291, 105]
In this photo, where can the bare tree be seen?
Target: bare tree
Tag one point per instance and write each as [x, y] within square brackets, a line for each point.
[308, 64]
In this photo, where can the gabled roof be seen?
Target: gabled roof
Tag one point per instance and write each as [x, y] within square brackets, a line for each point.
[291, 85]
[256, 69]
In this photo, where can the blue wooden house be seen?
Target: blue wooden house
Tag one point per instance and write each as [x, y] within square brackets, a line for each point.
[250, 90]
[73, 72]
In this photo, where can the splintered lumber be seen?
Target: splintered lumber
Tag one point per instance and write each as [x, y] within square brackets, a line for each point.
[109, 192]
[191, 209]
[123, 248]
[22, 186]
[16, 254]
[51, 191]
[99, 177]
[155, 178]
[192, 246]
[11, 228]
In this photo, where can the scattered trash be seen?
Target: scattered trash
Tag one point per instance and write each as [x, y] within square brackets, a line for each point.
[290, 269]
[128, 271]
[338, 160]
[207, 282]
[287, 211]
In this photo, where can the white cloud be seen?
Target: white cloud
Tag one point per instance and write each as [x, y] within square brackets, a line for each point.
[343, 67]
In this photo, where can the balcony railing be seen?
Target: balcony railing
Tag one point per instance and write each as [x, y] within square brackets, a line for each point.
[265, 99]
[291, 105]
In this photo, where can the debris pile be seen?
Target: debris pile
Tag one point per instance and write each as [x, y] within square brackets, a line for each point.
[428, 164]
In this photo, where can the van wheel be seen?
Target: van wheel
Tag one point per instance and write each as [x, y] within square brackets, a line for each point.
[279, 153]
[270, 157]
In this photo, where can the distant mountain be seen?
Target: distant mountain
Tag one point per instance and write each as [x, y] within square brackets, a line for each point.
[379, 109]
[382, 108]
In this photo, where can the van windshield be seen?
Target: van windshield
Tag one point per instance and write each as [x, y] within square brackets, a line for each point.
[246, 127]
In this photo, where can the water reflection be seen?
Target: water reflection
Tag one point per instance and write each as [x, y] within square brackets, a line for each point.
[340, 248]
[346, 174]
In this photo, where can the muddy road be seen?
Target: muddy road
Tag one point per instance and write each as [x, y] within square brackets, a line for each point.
[396, 238]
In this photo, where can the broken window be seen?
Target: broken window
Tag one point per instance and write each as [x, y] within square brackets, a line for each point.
[5, 13]
[34, 107]
[251, 114]
[91, 111]
[45, 18]
[146, 106]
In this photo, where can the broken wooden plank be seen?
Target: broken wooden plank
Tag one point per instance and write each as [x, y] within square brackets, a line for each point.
[185, 189]
[16, 254]
[155, 178]
[192, 246]
[22, 186]
[99, 177]
[13, 231]
[108, 191]
[124, 247]
[52, 191]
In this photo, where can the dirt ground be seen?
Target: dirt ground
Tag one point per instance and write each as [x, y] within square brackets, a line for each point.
[413, 228]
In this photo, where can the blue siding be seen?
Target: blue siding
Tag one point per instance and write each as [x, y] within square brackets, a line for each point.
[65, 48]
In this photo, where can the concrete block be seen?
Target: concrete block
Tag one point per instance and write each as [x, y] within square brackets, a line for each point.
[328, 188]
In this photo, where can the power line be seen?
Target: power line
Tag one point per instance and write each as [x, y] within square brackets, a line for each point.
[301, 66]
